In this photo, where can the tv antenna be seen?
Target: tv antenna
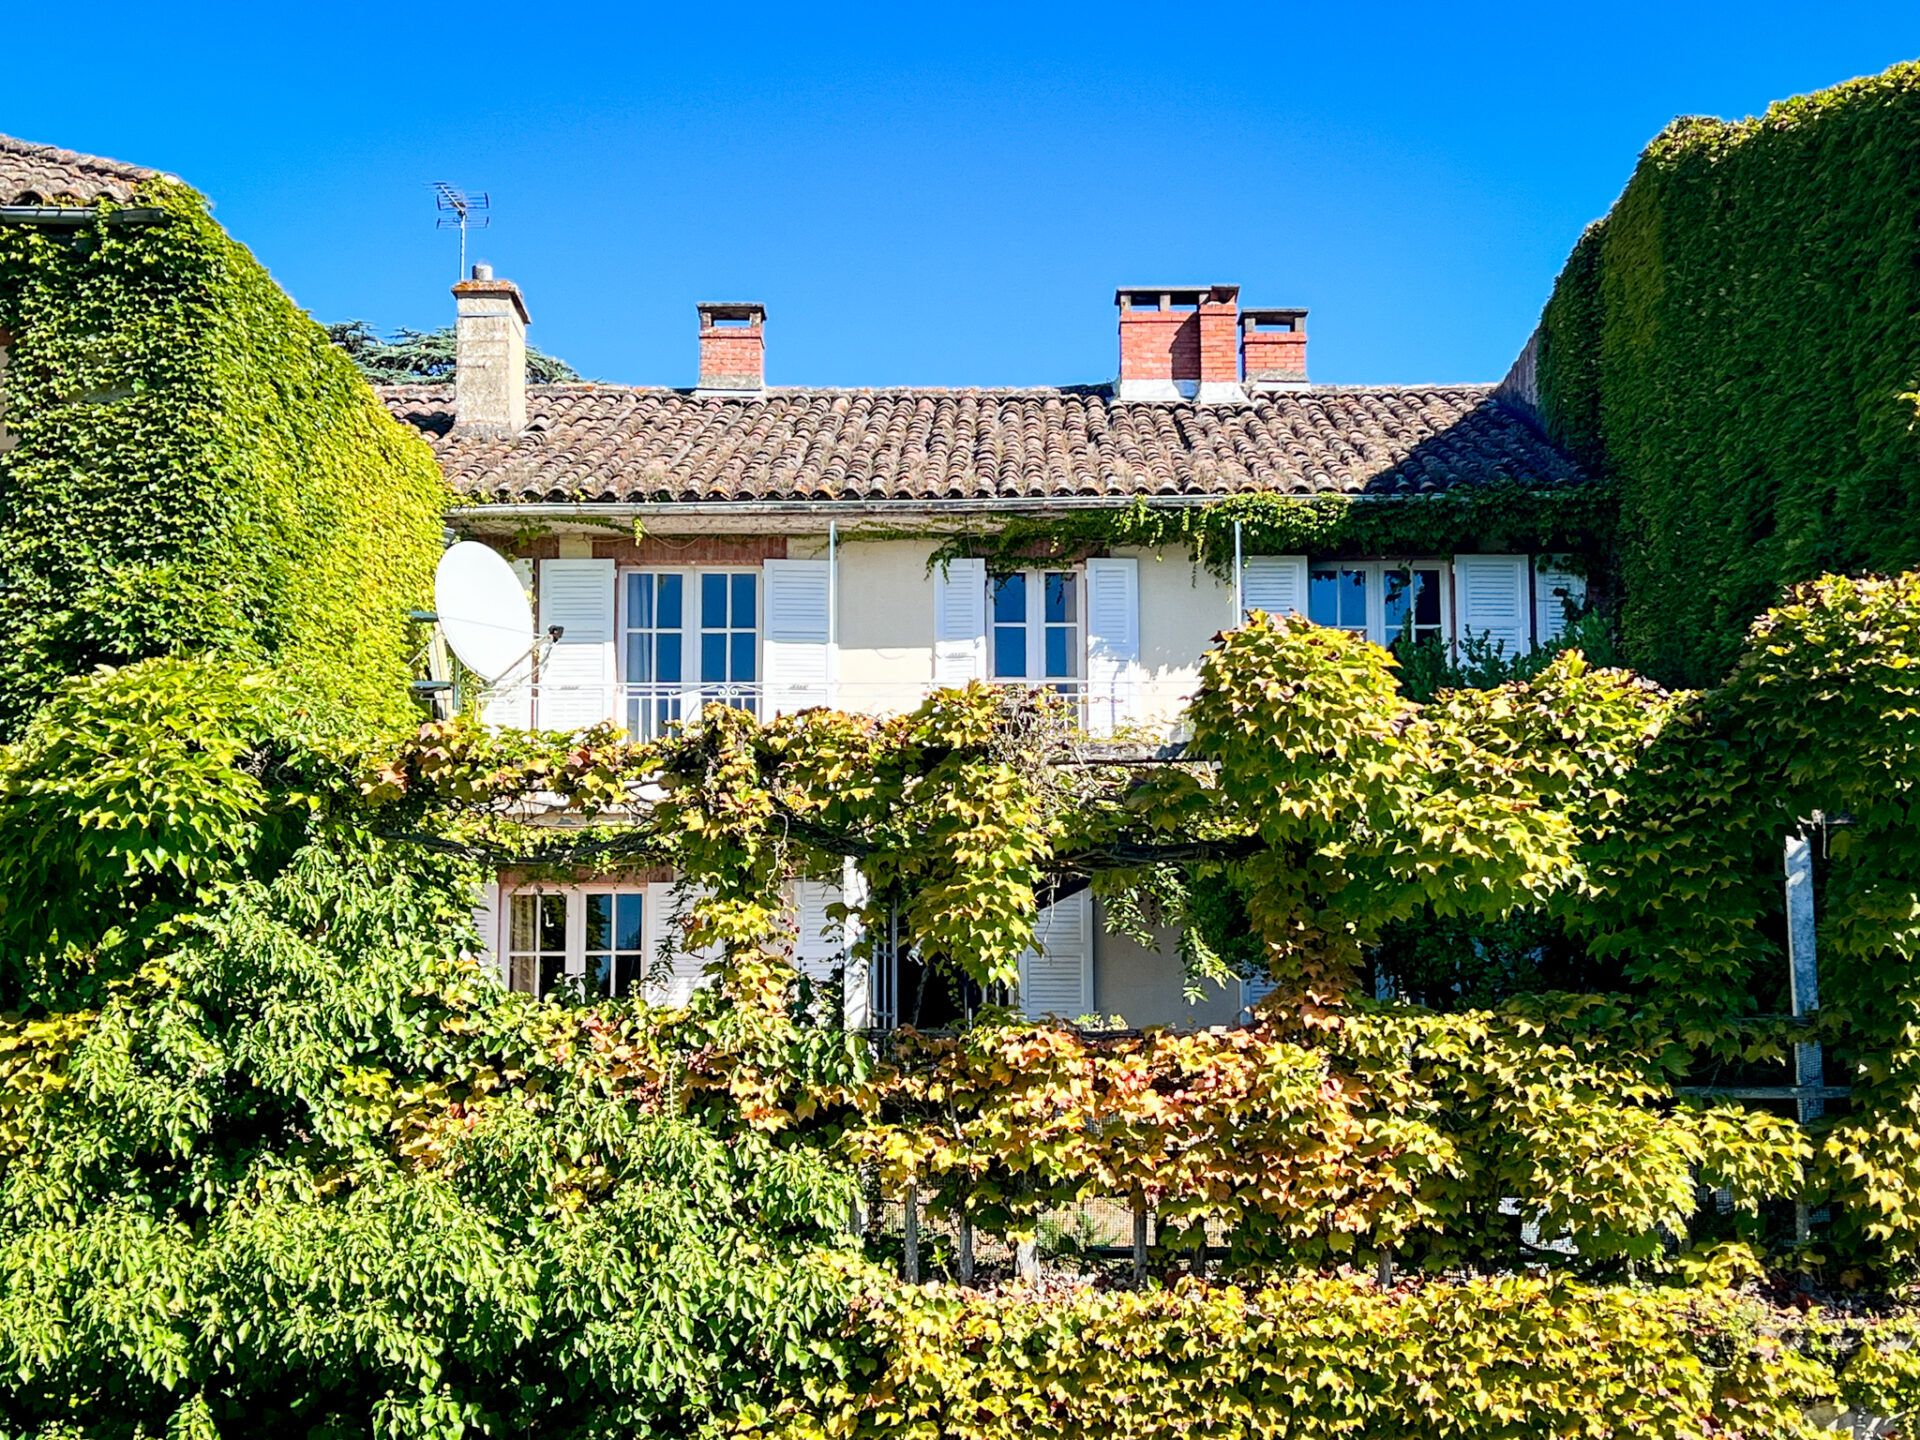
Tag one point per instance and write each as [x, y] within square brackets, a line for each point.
[458, 209]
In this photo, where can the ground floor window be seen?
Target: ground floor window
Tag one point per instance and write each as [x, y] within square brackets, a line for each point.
[1392, 603]
[591, 942]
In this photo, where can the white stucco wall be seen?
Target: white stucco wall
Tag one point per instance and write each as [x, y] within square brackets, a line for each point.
[1182, 608]
[1143, 986]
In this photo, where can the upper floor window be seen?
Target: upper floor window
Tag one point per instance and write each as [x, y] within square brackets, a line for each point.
[1034, 625]
[1389, 602]
[688, 637]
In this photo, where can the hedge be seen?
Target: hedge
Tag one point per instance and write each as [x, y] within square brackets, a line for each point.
[1508, 1358]
[1736, 344]
[196, 470]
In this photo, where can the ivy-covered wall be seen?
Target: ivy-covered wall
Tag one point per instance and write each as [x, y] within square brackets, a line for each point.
[195, 469]
[1738, 344]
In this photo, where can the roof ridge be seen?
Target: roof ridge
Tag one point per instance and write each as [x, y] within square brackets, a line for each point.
[30, 171]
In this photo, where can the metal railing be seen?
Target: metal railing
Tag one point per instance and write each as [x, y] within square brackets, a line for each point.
[647, 712]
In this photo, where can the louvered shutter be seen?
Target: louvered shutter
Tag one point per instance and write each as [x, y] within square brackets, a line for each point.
[1056, 978]
[486, 921]
[1493, 600]
[1554, 589]
[798, 646]
[960, 622]
[577, 674]
[1254, 989]
[1276, 584]
[820, 944]
[509, 700]
[685, 970]
[1113, 643]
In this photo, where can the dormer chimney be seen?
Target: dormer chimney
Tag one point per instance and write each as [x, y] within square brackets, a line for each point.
[733, 348]
[1273, 344]
[490, 355]
[1177, 342]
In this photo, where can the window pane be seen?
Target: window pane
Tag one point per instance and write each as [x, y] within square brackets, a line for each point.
[553, 922]
[1353, 599]
[525, 976]
[1009, 598]
[599, 922]
[1323, 597]
[640, 602]
[742, 602]
[1397, 600]
[1060, 596]
[666, 660]
[628, 926]
[521, 913]
[667, 612]
[553, 971]
[743, 656]
[713, 601]
[600, 975]
[1059, 652]
[713, 656]
[1426, 601]
[1009, 652]
[639, 659]
[630, 975]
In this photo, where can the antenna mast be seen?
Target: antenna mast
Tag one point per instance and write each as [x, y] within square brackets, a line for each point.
[459, 209]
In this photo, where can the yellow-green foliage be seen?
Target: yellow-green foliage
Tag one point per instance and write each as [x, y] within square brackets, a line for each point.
[1316, 1357]
[1735, 345]
[196, 470]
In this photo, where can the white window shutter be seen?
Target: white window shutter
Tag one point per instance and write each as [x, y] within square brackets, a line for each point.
[960, 622]
[1276, 584]
[684, 970]
[486, 920]
[798, 645]
[577, 674]
[1113, 643]
[1554, 589]
[820, 945]
[1493, 600]
[1056, 978]
[509, 700]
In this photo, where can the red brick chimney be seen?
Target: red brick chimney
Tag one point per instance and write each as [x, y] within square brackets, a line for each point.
[733, 348]
[1177, 342]
[1274, 346]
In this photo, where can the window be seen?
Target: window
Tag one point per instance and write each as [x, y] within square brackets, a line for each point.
[590, 940]
[1390, 602]
[1033, 618]
[689, 637]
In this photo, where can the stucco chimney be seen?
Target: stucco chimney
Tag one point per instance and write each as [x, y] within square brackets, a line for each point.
[733, 348]
[1177, 342]
[1274, 346]
[490, 355]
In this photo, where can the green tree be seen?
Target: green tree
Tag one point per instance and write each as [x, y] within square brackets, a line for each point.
[411, 357]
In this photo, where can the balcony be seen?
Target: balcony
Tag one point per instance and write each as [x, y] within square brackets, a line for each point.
[647, 712]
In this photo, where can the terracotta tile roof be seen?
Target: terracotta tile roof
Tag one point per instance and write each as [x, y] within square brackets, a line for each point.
[587, 443]
[41, 174]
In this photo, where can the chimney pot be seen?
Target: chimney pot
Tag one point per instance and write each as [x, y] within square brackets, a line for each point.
[733, 347]
[489, 355]
[1177, 342]
[1273, 346]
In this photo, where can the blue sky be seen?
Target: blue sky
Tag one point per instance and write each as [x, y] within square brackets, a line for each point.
[925, 194]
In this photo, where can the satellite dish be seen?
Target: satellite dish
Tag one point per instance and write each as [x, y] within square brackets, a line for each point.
[483, 609]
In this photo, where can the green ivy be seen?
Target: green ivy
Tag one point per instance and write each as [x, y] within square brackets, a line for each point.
[1498, 518]
[1735, 346]
[196, 470]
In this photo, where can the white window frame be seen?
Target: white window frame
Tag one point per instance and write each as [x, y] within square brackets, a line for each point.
[692, 690]
[1037, 626]
[1376, 572]
[653, 896]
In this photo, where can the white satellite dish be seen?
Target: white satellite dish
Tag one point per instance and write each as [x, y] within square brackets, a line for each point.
[483, 609]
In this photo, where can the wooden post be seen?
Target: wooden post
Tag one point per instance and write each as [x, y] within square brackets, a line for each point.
[965, 1246]
[1139, 1238]
[1026, 1261]
[912, 1228]
[1383, 1270]
[1199, 1267]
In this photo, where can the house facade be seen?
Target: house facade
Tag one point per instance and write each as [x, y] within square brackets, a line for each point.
[775, 548]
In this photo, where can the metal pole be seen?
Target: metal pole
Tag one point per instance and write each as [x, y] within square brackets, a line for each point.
[833, 609]
[1809, 1067]
[1239, 583]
